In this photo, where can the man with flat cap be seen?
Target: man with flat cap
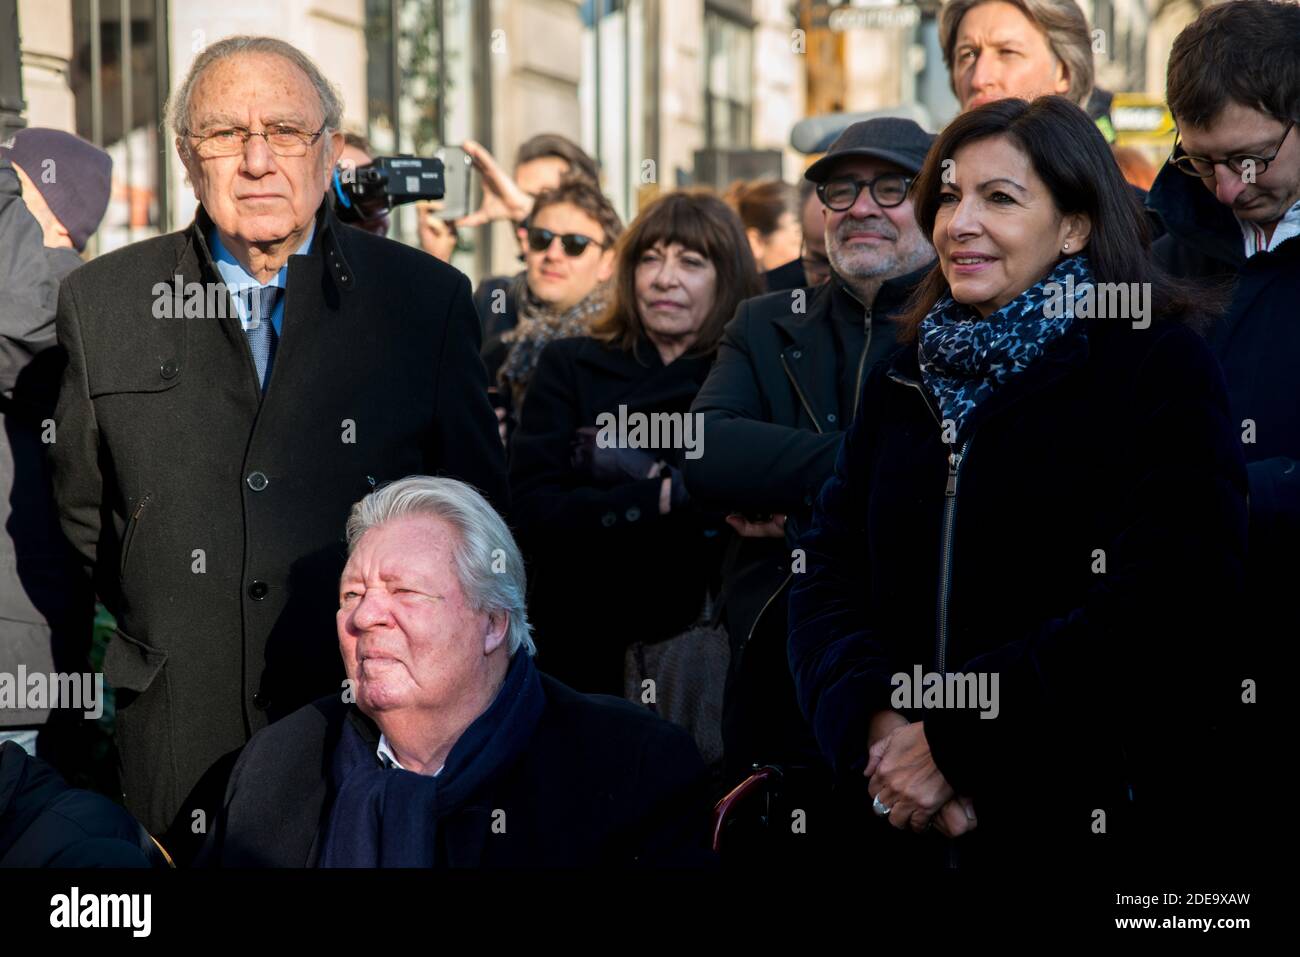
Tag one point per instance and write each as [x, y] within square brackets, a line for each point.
[777, 401]
[230, 390]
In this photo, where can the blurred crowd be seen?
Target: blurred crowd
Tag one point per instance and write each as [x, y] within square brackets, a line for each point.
[884, 425]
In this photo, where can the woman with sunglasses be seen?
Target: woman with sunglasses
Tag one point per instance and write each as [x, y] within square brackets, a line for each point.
[618, 554]
[563, 289]
[1022, 574]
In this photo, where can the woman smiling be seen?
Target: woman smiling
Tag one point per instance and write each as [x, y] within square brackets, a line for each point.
[1054, 500]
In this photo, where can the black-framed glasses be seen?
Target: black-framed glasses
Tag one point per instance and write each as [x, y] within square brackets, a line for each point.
[573, 244]
[1202, 167]
[840, 193]
[230, 141]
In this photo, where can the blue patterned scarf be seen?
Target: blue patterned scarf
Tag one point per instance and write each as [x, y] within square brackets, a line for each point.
[966, 358]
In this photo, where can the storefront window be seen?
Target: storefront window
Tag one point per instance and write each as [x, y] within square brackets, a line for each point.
[728, 82]
[115, 76]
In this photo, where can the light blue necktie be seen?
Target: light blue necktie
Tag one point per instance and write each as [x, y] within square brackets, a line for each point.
[259, 329]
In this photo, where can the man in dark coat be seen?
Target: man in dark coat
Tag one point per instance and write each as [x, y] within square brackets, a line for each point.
[776, 403]
[210, 444]
[449, 748]
[1231, 200]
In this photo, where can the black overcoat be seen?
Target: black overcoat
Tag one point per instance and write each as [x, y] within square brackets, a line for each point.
[213, 517]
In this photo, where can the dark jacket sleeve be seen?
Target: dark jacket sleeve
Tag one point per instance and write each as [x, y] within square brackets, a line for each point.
[74, 455]
[550, 495]
[27, 287]
[841, 664]
[749, 463]
[468, 446]
[1174, 573]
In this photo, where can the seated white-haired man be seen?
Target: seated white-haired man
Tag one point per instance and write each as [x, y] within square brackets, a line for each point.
[446, 747]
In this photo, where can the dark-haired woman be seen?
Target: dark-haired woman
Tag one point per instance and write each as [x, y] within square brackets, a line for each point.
[1043, 495]
[617, 552]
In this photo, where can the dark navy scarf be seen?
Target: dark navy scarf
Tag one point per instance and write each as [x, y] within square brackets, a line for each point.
[966, 358]
[388, 817]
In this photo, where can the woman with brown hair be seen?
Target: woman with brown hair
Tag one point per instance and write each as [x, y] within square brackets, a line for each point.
[1019, 578]
[617, 551]
[770, 210]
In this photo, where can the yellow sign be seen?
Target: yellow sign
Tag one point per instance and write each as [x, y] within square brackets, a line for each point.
[1141, 118]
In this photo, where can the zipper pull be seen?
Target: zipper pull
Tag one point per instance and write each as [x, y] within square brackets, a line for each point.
[954, 463]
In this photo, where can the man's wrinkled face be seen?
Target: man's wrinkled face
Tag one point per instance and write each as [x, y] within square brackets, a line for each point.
[1239, 129]
[1000, 53]
[256, 196]
[870, 241]
[408, 636]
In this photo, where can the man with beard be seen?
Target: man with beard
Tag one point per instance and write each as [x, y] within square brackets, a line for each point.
[782, 391]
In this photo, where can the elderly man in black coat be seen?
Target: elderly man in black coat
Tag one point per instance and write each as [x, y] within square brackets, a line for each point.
[447, 747]
[230, 390]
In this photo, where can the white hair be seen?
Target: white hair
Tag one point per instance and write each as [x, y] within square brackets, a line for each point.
[487, 560]
[178, 104]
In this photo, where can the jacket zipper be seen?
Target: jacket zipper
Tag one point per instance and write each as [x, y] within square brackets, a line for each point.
[955, 460]
[759, 617]
[799, 392]
[862, 363]
[129, 534]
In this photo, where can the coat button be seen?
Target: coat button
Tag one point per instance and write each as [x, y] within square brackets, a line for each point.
[797, 354]
[632, 514]
[257, 481]
[830, 417]
[608, 519]
[257, 589]
[260, 700]
[170, 368]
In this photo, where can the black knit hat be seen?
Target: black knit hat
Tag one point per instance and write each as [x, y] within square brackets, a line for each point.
[73, 176]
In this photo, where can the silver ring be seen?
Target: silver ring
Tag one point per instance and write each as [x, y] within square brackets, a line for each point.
[880, 807]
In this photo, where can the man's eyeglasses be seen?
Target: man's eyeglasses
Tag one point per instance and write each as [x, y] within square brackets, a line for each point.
[230, 141]
[841, 193]
[573, 244]
[1203, 166]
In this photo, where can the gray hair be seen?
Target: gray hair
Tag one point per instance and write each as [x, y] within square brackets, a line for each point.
[178, 104]
[1061, 21]
[488, 562]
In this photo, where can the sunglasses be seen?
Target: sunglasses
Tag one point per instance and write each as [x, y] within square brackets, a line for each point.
[573, 244]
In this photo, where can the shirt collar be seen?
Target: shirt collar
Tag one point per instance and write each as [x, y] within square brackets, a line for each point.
[1253, 236]
[389, 760]
[236, 276]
